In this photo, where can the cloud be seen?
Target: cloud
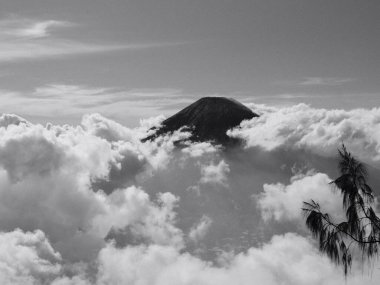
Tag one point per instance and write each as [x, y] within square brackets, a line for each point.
[324, 81]
[31, 29]
[110, 130]
[135, 219]
[284, 202]
[86, 98]
[31, 39]
[107, 202]
[200, 149]
[198, 231]
[215, 173]
[11, 119]
[319, 131]
[285, 259]
[62, 102]
[76, 183]
[47, 179]
[27, 258]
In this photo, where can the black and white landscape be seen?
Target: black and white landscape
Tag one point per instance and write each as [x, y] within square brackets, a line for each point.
[175, 142]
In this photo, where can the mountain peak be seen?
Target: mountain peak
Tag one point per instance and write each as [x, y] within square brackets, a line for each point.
[208, 118]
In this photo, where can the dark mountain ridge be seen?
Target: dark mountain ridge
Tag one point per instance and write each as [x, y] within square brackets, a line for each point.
[208, 119]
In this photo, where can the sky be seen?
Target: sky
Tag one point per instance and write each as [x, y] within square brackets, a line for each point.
[131, 59]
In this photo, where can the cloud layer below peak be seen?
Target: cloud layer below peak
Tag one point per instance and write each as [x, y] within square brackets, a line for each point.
[92, 204]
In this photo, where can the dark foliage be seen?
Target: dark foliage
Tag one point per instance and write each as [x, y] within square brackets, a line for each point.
[360, 230]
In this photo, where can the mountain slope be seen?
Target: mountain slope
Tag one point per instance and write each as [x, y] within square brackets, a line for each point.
[209, 118]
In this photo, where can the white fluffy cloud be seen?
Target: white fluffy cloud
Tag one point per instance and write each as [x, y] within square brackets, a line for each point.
[10, 119]
[285, 259]
[131, 212]
[319, 131]
[215, 173]
[113, 206]
[48, 177]
[284, 202]
[27, 258]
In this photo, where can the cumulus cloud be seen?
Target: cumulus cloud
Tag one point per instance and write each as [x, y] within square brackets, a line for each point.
[136, 219]
[77, 183]
[284, 202]
[200, 149]
[27, 258]
[10, 119]
[319, 131]
[289, 259]
[48, 176]
[108, 129]
[285, 259]
[215, 173]
[113, 206]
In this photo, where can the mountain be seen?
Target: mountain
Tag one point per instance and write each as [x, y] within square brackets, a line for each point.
[208, 119]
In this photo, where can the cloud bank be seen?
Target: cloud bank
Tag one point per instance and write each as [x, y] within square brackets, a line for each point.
[92, 204]
[315, 130]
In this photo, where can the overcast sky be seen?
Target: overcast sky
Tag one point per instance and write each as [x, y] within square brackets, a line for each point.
[138, 58]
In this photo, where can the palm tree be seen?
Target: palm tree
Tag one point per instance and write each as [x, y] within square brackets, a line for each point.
[361, 229]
